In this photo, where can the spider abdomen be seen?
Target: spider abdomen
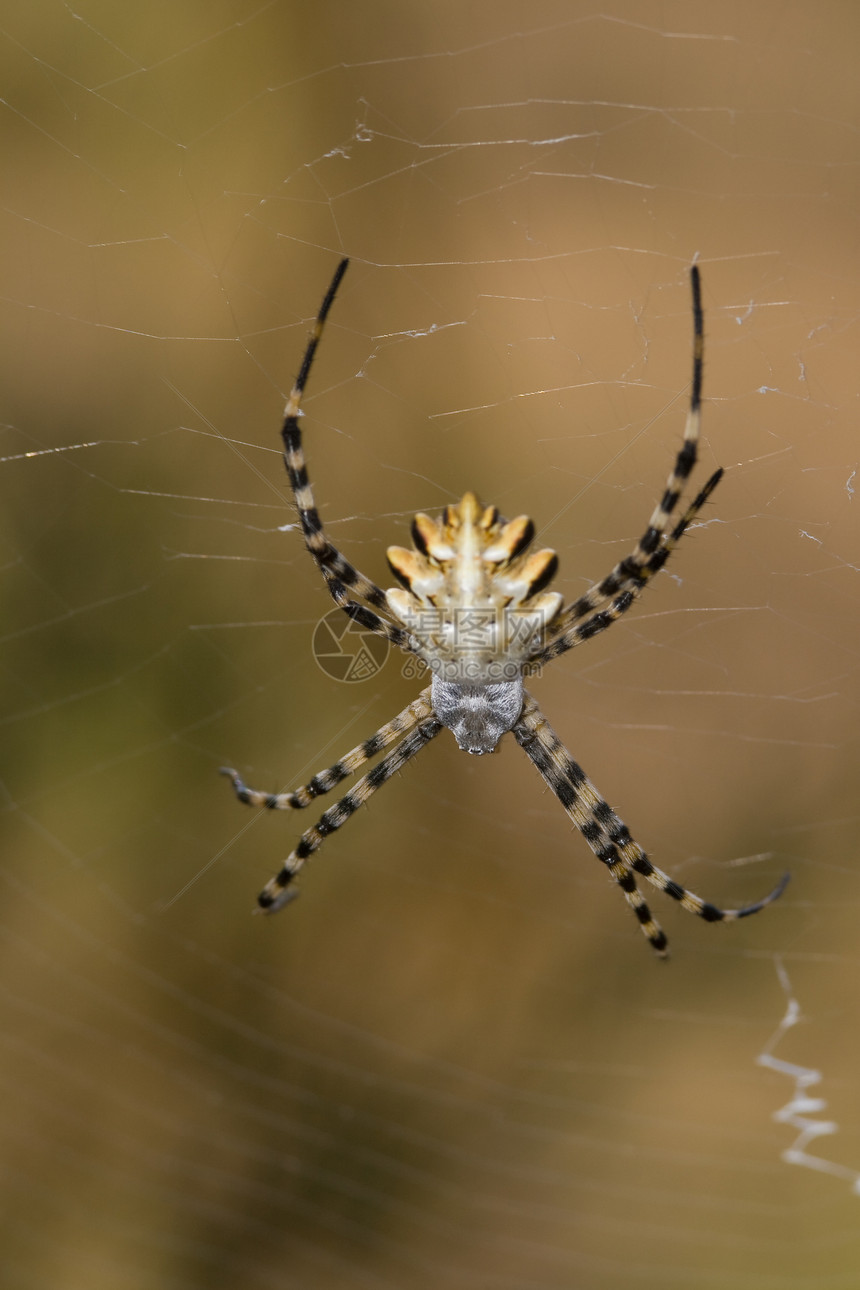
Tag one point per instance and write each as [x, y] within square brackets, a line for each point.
[471, 595]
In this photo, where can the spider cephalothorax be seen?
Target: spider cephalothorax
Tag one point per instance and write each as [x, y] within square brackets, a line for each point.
[472, 604]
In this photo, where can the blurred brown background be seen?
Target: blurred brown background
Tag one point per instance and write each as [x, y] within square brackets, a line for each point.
[454, 1061]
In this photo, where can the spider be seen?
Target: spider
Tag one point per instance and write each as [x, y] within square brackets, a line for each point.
[473, 606]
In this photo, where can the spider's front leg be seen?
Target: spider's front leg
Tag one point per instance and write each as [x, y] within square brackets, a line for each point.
[277, 892]
[325, 780]
[537, 739]
[607, 835]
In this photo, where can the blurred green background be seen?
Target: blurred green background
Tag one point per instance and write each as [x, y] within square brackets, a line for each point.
[454, 1061]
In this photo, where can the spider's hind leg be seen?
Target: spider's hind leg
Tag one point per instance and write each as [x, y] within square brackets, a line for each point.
[342, 577]
[605, 602]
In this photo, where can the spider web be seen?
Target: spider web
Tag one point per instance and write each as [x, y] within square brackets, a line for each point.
[454, 1061]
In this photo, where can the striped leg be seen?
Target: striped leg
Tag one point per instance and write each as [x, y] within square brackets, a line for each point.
[632, 573]
[579, 799]
[340, 575]
[573, 635]
[326, 780]
[276, 892]
[608, 836]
